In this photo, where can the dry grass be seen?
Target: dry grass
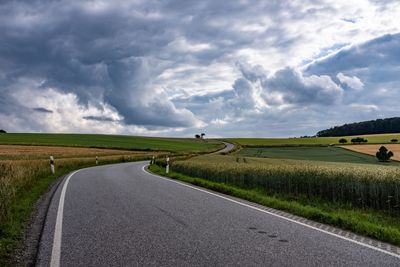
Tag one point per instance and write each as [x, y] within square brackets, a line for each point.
[23, 166]
[20, 152]
[372, 149]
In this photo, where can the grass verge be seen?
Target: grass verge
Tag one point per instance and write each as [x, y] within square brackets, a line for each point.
[21, 205]
[374, 224]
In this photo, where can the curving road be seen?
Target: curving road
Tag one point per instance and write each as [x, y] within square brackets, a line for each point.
[120, 215]
[228, 147]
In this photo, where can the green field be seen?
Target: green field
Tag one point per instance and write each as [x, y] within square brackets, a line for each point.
[318, 153]
[372, 139]
[112, 141]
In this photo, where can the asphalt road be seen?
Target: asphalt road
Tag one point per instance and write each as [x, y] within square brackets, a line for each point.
[120, 215]
[228, 147]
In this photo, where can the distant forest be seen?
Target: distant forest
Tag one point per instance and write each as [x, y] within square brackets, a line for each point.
[380, 126]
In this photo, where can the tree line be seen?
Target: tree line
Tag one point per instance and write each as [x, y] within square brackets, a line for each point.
[379, 126]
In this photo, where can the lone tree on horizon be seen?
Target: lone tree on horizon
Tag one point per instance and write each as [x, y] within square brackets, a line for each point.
[383, 154]
[202, 135]
[394, 140]
[2, 131]
[197, 136]
[343, 140]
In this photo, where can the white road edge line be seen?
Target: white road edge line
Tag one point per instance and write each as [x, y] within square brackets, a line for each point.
[56, 251]
[276, 215]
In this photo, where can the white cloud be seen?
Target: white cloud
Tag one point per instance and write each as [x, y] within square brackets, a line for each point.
[64, 113]
[364, 107]
[170, 67]
[218, 122]
[351, 81]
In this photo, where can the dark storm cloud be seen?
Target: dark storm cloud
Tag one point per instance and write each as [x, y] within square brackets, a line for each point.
[42, 110]
[7, 104]
[112, 54]
[378, 53]
[361, 81]
[96, 54]
[99, 118]
[375, 63]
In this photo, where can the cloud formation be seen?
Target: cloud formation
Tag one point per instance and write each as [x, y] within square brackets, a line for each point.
[178, 67]
[353, 81]
[298, 89]
[43, 110]
[320, 93]
[91, 51]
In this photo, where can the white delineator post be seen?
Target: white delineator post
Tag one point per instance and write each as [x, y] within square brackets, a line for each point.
[167, 168]
[97, 160]
[153, 160]
[52, 164]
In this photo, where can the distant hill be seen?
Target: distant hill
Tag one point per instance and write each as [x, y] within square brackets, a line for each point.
[379, 126]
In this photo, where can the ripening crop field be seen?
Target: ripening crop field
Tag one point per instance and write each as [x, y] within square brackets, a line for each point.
[22, 167]
[375, 139]
[20, 152]
[372, 149]
[361, 185]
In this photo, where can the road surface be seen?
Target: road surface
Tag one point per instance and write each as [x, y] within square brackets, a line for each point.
[120, 215]
[228, 148]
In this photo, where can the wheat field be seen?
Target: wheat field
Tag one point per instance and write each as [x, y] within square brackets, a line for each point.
[361, 185]
[372, 149]
[23, 166]
[20, 152]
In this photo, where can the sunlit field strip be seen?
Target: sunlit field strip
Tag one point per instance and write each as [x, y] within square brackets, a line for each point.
[377, 139]
[372, 149]
[361, 185]
[174, 145]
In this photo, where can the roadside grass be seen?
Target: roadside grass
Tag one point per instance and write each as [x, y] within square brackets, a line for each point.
[317, 153]
[22, 182]
[24, 152]
[259, 142]
[375, 224]
[174, 145]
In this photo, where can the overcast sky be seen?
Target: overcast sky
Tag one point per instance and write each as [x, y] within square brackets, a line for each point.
[176, 68]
